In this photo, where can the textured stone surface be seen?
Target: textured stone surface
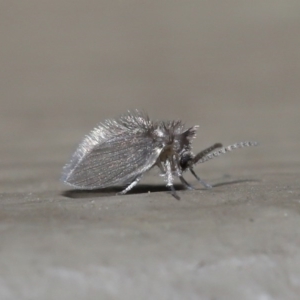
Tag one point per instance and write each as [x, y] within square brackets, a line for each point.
[233, 68]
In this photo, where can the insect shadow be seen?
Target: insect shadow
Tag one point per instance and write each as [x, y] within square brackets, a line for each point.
[140, 189]
[112, 191]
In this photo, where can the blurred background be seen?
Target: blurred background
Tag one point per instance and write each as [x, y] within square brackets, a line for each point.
[232, 67]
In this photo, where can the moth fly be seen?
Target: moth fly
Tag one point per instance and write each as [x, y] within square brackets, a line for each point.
[120, 151]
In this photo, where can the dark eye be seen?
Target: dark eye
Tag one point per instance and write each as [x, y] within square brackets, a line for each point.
[184, 161]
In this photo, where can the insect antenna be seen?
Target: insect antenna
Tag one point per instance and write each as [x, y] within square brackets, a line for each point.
[223, 151]
[206, 151]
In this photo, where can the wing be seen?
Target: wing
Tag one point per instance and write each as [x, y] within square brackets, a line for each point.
[116, 161]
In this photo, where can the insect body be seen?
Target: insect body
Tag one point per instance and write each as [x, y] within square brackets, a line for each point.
[120, 151]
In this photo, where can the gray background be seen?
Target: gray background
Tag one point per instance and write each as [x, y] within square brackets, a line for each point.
[232, 67]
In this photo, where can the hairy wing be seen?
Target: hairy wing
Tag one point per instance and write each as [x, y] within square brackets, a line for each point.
[116, 161]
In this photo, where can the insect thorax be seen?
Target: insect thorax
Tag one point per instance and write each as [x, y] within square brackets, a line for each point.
[176, 143]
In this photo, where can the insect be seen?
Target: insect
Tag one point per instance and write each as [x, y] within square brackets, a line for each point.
[120, 151]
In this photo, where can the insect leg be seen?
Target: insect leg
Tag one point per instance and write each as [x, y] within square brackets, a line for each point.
[130, 186]
[161, 167]
[199, 156]
[169, 179]
[173, 192]
[185, 183]
[208, 186]
[179, 173]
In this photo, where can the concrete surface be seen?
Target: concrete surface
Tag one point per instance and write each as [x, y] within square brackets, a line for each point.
[231, 67]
